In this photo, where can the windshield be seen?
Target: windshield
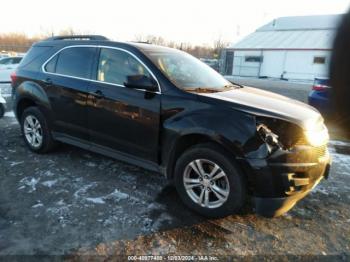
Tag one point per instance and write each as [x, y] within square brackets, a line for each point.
[189, 73]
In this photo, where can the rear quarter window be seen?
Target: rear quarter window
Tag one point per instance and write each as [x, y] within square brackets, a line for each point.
[33, 53]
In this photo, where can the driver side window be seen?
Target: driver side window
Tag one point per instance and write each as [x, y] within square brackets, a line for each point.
[115, 66]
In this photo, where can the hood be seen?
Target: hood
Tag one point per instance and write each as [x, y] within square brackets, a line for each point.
[263, 103]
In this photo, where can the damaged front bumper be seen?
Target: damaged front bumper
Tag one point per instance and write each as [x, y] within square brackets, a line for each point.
[280, 181]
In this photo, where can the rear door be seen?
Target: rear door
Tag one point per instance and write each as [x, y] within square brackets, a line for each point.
[120, 118]
[67, 79]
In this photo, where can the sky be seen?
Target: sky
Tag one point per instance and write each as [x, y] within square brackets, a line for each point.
[189, 21]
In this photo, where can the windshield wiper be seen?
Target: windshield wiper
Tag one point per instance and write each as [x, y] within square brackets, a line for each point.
[236, 84]
[202, 89]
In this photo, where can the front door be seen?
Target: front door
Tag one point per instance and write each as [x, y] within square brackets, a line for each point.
[121, 118]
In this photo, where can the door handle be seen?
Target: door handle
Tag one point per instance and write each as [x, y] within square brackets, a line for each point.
[98, 94]
[48, 81]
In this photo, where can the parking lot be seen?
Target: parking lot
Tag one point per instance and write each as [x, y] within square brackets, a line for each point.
[72, 202]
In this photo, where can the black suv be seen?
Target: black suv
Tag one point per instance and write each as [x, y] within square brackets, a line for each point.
[164, 110]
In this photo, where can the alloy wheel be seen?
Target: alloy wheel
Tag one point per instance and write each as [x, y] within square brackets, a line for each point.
[206, 183]
[33, 131]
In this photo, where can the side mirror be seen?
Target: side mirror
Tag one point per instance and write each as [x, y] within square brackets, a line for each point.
[141, 82]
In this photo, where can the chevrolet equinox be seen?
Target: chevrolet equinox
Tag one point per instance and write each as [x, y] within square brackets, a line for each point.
[166, 111]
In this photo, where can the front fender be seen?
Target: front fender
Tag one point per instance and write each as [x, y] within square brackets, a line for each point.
[233, 130]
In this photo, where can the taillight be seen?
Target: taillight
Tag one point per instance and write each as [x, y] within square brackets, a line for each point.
[13, 78]
[320, 87]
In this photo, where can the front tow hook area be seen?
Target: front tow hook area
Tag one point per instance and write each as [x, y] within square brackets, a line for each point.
[299, 187]
[274, 207]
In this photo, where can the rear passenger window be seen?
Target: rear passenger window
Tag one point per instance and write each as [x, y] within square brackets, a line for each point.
[75, 61]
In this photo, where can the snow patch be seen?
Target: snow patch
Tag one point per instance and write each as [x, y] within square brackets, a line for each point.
[83, 190]
[60, 203]
[10, 114]
[48, 173]
[62, 213]
[320, 190]
[90, 164]
[30, 182]
[154, 206]
[117, 195]
[49, 183]
[16, 163]
[96, 200]
[338, 143]
[38, 205]
[342, 162]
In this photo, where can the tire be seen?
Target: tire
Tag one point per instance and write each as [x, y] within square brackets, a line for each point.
[2, 110]
[47, 143]
[233, 183]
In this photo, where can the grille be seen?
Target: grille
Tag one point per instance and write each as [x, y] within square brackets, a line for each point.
[301, 141]
[319, 151]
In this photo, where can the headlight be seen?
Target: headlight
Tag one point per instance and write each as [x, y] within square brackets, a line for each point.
[317, 137]
[267, 135]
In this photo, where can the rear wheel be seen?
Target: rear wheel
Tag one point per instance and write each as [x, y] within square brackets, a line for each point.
[208, 181]
[36, 131]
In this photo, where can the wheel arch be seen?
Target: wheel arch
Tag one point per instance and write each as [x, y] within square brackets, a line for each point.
[184, 142]
[29, 94]
[22, 105]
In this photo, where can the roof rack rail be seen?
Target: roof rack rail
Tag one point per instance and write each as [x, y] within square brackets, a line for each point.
[77, 37]
[142, 42]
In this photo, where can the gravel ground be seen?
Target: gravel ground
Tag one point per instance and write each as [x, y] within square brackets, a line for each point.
[75, 202]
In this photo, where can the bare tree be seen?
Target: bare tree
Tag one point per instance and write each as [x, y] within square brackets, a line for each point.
[16, 42]
[219, 44]
[202, 51]
[71, 32]
[20, 42]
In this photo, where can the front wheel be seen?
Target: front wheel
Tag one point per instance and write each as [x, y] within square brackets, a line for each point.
[208, 181]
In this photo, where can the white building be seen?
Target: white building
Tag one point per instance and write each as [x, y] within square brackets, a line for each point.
[288, 48]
